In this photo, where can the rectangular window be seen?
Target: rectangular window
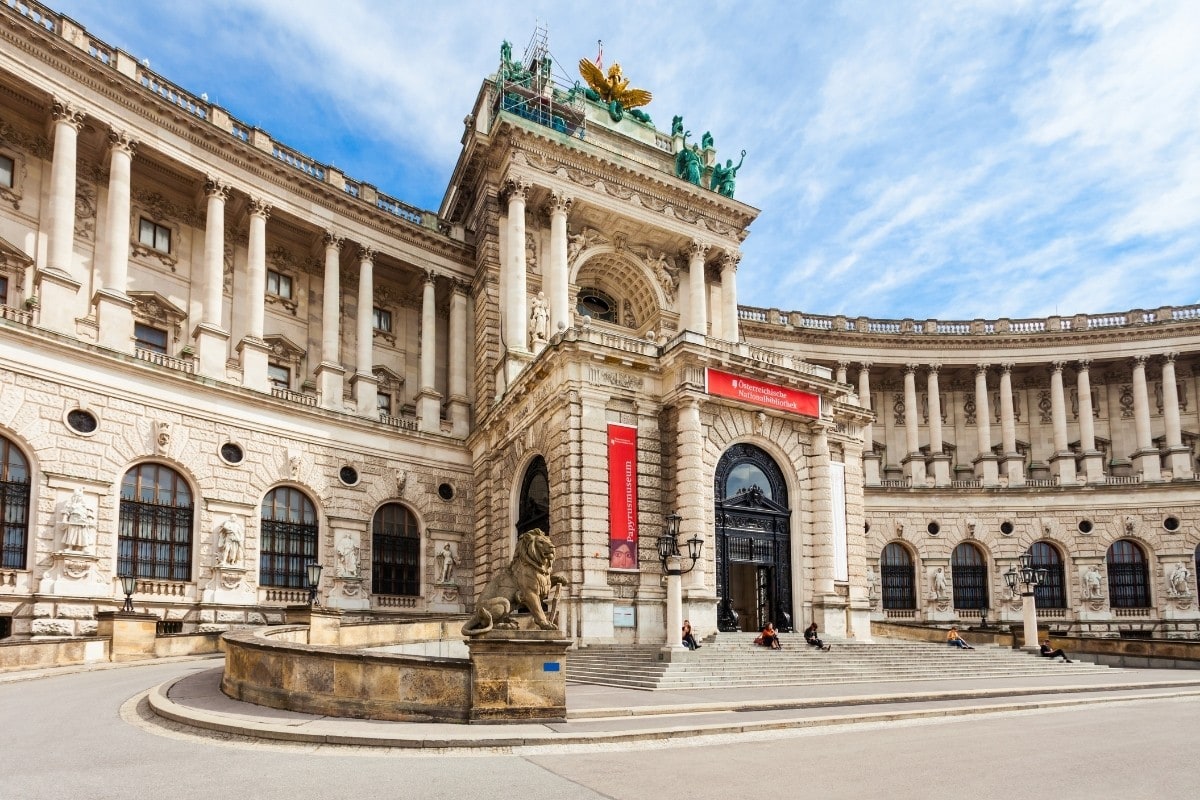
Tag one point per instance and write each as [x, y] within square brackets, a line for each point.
[383, 402]
[3, 291]
[147, 338]
[6, 171]
[155, 236]
[279, 285]
[280, 377]
[383, 320]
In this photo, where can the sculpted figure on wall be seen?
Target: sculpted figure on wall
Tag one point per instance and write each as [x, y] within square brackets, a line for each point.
[539, 317]
[941, 586]
[445, 564]
[78, 523]
[231, 537]
[526, 581]
[347, 558]
[1091, 584]
[1177, 581]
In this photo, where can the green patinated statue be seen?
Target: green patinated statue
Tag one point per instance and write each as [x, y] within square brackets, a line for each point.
[706, 141]
[677, 125]
[687, 162]
[724, 179]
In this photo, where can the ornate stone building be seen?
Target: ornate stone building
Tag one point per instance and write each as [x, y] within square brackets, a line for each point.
[221, 360]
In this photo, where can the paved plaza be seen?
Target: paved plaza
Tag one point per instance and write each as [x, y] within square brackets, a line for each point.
[90, 734]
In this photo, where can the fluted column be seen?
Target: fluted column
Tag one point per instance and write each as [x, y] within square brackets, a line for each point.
[366, 385]
[1179, 457]
[1146, 457]
[941, 461]
[429, 400]
[986, 467]
[913, 458]
[1062, 461]
[729, 307]
[252, 348]
[1092, 459]
[59, 281]
[697, 289]
[515, 285]
[212, 340]
[330, 373]
[1014, 463]
[114, 309]
[557, 272]
[459, 403]
[870, 457]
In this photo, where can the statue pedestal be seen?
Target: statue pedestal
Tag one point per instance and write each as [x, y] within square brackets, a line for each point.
[518, 676]
[229, 587]
[347, 594]
[74, 573]
[132, 634]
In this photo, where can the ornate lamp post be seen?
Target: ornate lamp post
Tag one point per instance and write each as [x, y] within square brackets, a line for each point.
[314, 580]
[1030, 577]
[671, 558]
[128, 586]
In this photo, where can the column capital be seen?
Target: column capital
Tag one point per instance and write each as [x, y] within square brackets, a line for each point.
[1057, 366]
[260, 208]
[459, 286]
[1083, 364]
[214, 187]
[1006, 369]
[981, 369]
[332, 241]
[843, 364]
[121, 141]
[696, 249]
[558, 203]
[68, 112]
[865, 366]
[730, 260]
[934, 368]
[515, 189]
[1170, 357]
[366, 254]
[429, 276]
[1139, 362]
[911, 369]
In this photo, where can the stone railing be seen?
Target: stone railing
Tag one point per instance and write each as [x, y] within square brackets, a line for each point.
[294, 397]
[14, 314]
[37, 12]
[979, 327]
[162, 360]
[167, 90]
[403, 423]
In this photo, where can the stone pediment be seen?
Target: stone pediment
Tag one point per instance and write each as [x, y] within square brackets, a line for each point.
[388, 378]
[152, 308]
[283, 349]
[11, 255]
[752, 499]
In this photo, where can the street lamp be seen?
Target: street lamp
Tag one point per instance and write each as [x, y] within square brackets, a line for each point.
[128, 586]
[669, 555]
[1031, 577]
[314, 580]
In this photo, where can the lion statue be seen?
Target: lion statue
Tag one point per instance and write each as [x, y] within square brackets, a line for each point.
[526, 581]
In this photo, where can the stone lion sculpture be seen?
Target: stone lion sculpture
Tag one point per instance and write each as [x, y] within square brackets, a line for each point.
[526, 581]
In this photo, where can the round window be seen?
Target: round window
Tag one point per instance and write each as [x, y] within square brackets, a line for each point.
[1171, 524]
[1006, 528]
[934, 529]
[348, 475]
[232, 453]
[1085, 526]
[82, 421]
[446, 491]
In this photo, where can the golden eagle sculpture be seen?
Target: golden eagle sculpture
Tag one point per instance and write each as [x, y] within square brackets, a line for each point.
[613, 89]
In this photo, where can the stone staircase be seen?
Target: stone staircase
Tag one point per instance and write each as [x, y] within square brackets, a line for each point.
[732, 660]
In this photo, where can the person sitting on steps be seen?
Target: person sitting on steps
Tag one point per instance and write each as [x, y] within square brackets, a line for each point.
[689, 641]
[810, 636]
[1049, 652]
[769, 638]
[954, 640]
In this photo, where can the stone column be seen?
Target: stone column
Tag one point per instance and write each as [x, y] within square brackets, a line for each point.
[729, 309]
[913, 458]
[1178, 455]
[691, 501]
[986, 466]
[114, 309]
[1092, 458]
[58, 283]
[252, 348]
[697, 289]
[941, 461]
[366, 385]
[330, 373]
[1062, 462]
[829, 608]
[516, 298]
[1014, 464]
[429, 400]
[460, 405]
[557, 283]
[1146, 457]
[870, 457]
[212, 341]
[840, 373]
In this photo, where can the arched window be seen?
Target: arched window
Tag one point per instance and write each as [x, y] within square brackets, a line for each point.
[896, 573]
[14, 506]
[1052, 593]
[968, 568]
[1128, 578]
[154, 539]
[289, 538]
[534, 508]
[395, 551]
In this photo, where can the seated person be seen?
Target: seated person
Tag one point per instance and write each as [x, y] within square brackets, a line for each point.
[770, 638]
[954, 640]
[1049, 652]
[810, 636]
[689, 641]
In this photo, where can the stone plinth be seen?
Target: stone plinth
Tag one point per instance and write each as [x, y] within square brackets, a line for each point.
[324, 624]
[132, 635]
[518, 676]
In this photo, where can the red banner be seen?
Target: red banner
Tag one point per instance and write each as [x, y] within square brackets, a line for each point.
[622, 497]
[769, 395]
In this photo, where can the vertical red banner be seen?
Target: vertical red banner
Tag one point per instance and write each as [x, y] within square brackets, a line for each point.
[622, 497]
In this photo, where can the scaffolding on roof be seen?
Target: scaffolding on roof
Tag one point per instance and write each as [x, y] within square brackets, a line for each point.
[531, 89]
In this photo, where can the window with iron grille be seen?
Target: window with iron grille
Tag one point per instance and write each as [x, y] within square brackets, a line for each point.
[154, 538]
[1052, 592]
[968, 570]
[147, 337]
[395, 551]
[289, 538]
[14, 506]
[153, 235]
[897, 577]
[1128, 578]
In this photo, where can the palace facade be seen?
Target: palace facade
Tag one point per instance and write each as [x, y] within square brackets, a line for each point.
[222, 360]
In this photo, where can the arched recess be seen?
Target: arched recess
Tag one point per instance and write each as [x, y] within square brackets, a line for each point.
[533, 501]
[395, 551]
[14, 506]
[1051, 593]
[289, 538]
[621, 282]
[1128, 575]
[897, 578]
[154, 530]
[969, 576]
[753, 541]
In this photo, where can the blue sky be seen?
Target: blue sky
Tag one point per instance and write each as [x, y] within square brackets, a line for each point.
[946, 160]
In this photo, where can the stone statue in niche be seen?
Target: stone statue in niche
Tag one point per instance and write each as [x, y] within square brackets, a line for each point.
[941, 586]
[446, 562]
[78, 520]
[401, 479]
[1091, 584]
[1177, 581]
[346, 553]
[872, 583]
[539, 318]
[163, 439]
[231, 538]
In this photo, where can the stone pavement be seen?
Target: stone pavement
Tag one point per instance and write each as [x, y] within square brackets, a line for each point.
[605, 715]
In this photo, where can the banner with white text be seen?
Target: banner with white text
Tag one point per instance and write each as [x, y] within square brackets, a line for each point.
[767, 395]
[622, 497]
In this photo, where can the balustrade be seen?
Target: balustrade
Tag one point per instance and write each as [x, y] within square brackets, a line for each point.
[172, 93]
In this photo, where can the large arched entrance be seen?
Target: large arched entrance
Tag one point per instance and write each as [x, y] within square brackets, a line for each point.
[533, 506]
[753, 540]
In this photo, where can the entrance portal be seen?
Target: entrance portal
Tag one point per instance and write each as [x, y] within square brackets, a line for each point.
[753, 540]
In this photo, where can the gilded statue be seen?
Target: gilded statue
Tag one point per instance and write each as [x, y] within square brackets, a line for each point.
[612, 89]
